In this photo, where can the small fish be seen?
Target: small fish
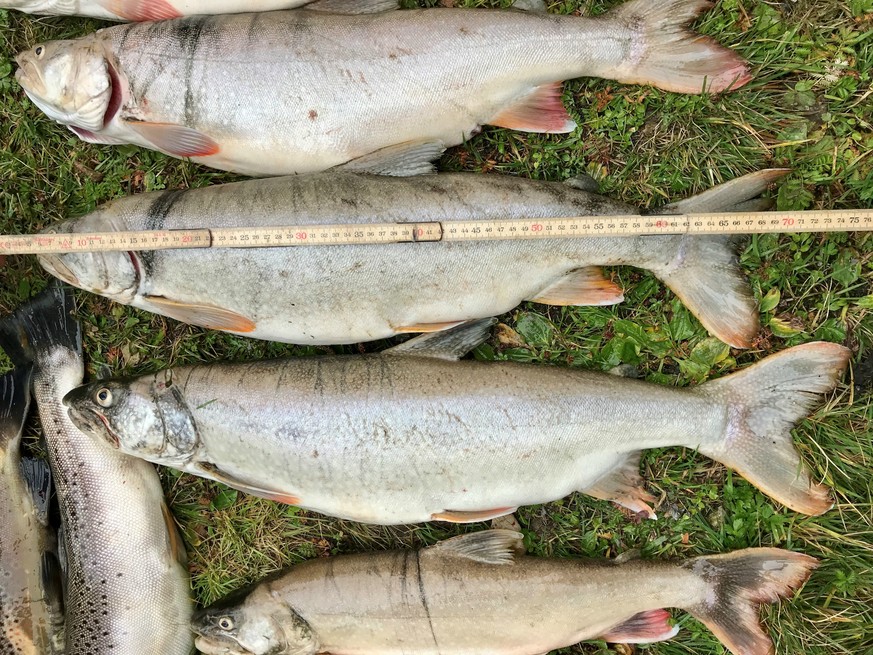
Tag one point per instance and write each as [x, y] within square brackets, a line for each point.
[477, 594]
[289, 92]
[127, 591]
[355, 293]
[411, 435]
[147, 10]
[31, 595]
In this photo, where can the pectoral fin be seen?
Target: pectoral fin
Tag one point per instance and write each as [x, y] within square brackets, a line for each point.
[584, 286]
[175, 140]
[449, 344]
[542, 110]
[141, 10]
[623, 485]
[499, 547]
[460, 516]
[210, 470]
[214, 318]
[643, 628]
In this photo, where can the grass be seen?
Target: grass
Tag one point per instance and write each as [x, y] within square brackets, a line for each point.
[809, 107]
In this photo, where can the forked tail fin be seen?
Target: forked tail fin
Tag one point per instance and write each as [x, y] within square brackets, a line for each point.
[665, 53]
[739, 583]
[44, 323]
[765, 401]
[14, 403]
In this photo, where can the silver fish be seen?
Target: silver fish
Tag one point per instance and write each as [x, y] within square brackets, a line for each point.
[350, 294]
[406, 436]
[300, 91]
[146, 10]
[477, 594]
[31, 616]
[127, 590]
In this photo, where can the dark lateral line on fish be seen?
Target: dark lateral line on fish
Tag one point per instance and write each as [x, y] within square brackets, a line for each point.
[830, 220]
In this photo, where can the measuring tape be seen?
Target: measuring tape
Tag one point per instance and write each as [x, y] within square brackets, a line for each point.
[849, 220]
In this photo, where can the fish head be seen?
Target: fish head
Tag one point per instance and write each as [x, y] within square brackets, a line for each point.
[254, 621]
[144, 417]
[116, 275]
[72, 82]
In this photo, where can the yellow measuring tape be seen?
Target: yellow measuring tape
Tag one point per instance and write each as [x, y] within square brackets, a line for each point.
[848, 220]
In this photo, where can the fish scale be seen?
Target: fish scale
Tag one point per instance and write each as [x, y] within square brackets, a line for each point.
[112, 507]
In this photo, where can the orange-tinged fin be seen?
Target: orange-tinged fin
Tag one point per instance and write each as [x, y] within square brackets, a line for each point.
[764, 402]
[540, 111]
[208, 316]
[643, 628]
[738, 584]
[141, 10]
[427, 327]
[623, 485]
[175, 140]
[174, 538]
[663, 52]
[453, 516]
[212, 471]
[584, 286]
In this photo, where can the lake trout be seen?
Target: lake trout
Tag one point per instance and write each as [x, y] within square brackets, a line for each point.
[127, 590]
[31, 614]
[145, 10]
[300, 91]
[350, 294]
[410, 435]
[478, 594]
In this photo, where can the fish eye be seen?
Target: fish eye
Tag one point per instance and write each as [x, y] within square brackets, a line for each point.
[225, 623]
[39, 51]
[103, 397]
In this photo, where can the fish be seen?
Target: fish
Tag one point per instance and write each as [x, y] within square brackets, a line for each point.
[356, 293]
[479, 593]
[149, 10]
[31, 596]
[412, 434]
[291, 92]
[127, 589]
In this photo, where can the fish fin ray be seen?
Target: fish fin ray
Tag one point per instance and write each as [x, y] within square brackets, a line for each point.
[176, 140]
[541, 111]
[208, 316]
[402, 160]
[209, 470]
[39, 326]
[624, 485]
[141, 10]
[427, 328]
[94, 137]
[498, 547]
[451, 344]
[583, 286]
[643, 628]
[353, 6]
[474, 516]
[175, 544]
[38, 476]
[765, 401]
[668, 55]
[52, 581]
[728, 196]
[740, 582]
[14, 405]
[583, 182]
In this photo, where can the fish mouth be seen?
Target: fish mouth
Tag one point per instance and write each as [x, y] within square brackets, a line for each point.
[91, 422]
[28, 76]
[210, 645]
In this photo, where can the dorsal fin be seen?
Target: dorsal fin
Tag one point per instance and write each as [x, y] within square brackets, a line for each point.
[498, 547]
[449, 344]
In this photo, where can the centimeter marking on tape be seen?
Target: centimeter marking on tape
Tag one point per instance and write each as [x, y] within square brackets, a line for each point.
[427, 232]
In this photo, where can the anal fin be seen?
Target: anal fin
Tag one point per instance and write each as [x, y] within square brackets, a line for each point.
[208, 316]
[210, 470]
[583, 286]
[643, 628]
[176, 140]
[624, 486]
[542, 110]
[460, 516]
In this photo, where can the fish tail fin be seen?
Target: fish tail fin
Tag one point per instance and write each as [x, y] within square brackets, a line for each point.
[765, 401]
[738, 584]
[14, 404]
[666, 54]
[37, 328]
[705, 271]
